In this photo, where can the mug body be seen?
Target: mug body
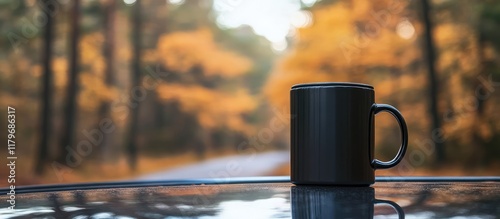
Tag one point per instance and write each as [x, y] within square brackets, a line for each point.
[332, 134]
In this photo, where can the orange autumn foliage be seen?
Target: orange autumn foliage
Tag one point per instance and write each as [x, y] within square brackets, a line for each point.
[347, 42]
[213, 108]
[343, 41]
[93, 88]
[181, 51]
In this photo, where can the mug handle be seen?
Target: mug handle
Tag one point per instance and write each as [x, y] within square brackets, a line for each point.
[377, 164]
[399, 210]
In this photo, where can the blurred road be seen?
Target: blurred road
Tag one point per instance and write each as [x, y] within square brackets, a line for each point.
[232, 166]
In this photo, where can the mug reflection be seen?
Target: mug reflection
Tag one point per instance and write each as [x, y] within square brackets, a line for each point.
[336, 202]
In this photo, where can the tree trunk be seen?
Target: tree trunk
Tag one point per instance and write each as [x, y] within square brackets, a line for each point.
[136, 79]
[432, 78]
[105, 108]
[68, 131]
[478, 154]
[46, 100]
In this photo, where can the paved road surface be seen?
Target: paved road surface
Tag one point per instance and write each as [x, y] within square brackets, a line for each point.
[232, 166]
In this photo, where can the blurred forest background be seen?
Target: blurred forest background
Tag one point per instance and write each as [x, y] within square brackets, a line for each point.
[128, 87]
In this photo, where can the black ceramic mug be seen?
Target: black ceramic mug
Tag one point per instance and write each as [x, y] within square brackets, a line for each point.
[332, 134]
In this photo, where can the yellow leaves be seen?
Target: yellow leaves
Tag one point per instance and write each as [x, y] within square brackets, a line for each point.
[344, 40]
[459, 49]
[91, 52]
[60, 69]
[183, 51]
[489, 52]
[360, 7]
[36, 71]
[321, 40]
[449, 34]
[277, 88]
[94, 91]
[22, 64]
[337, 17]
[213, 108]
[459, 62]
[149, 56]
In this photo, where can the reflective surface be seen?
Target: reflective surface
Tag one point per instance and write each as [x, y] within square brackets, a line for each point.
[266, 200]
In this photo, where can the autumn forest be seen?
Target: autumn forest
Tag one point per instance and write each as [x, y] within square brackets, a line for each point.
[107, 90]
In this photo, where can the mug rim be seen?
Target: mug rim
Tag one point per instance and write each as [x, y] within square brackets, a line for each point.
[332, 84]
